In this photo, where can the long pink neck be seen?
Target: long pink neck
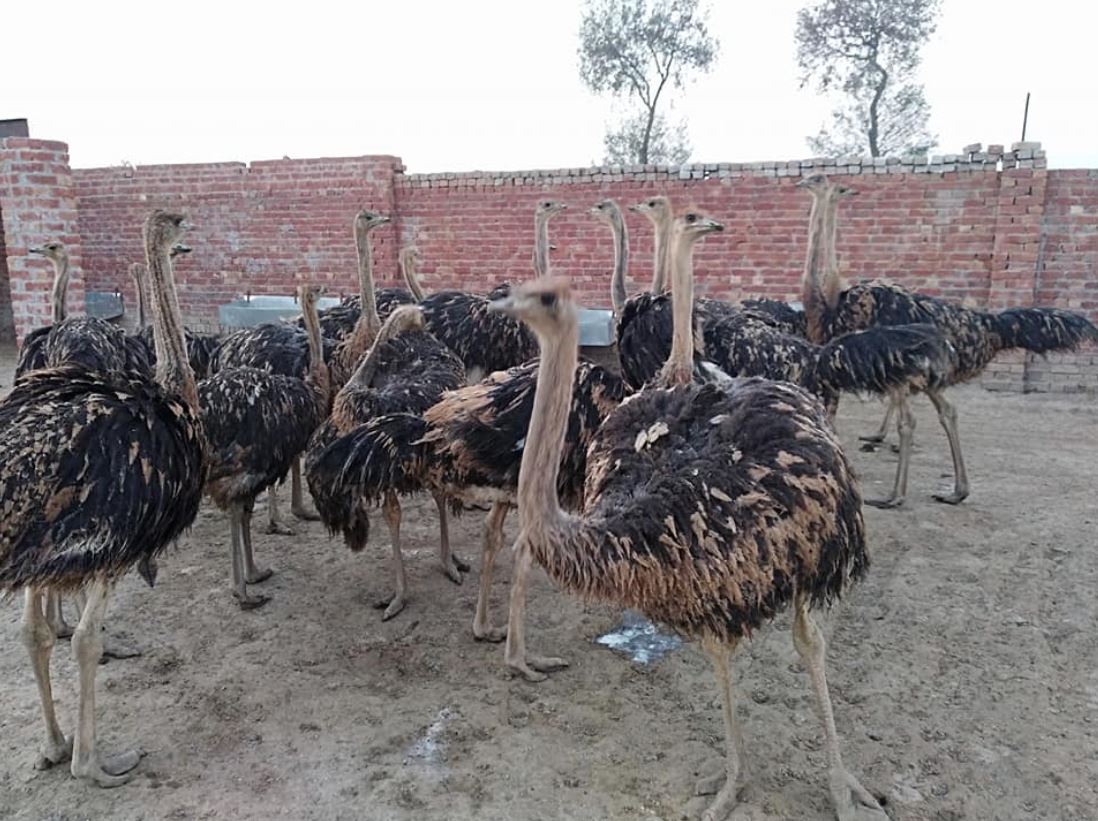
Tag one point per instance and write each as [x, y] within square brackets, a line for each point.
[679, 368]
[661, 253]
[539, 507]
[173, 368]
[621, 264]
[60, 290]
[811, 282]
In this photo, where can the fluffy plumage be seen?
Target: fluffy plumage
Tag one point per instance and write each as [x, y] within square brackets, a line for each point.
[743, 345]
[98, 474]
[976, 336]
[89, 343]
[201, 349]
[484, 341]
[276, 347]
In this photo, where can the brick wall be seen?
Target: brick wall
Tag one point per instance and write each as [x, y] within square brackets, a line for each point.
[7, 321]
[36, 204]
[259, 228]
[985, 228]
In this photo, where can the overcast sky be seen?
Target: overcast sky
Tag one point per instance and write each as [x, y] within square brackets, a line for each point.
[490, 84]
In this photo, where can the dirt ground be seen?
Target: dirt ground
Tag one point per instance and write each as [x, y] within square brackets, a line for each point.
[964, 670]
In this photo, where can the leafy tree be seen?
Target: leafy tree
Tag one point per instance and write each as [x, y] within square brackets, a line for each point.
[640, 49]
[666, 144]
[869, 50]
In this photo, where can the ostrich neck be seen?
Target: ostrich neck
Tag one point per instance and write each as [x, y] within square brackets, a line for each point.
[173, 369]
[411, 276]
[539, 508]
[368, 321]
[832, 279]
[811, 283]
[60, 289]
[621, 264]
[364, 373]
[679, 368]
[142, 295]
[661, 255]
[318, 370]
[541, 246]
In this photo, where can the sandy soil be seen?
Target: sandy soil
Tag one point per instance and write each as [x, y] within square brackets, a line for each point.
[964, 671]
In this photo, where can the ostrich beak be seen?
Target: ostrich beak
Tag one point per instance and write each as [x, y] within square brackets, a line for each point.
[37, 250]
[713, 225]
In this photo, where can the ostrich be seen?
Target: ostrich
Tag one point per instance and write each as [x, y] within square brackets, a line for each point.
[466, 448]
[200, 346]
[709, 509]
[339, 322]
[100, 472]
[744, 344]
[608, 213]
[257, 423]
[485, 341]
[281, 348]
[84, 341]
[406, 370]
[975, 336]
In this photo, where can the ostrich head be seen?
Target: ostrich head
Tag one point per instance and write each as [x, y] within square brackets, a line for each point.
[409, 253]
[655, 208]
[606, 211]
[693, 225]
[368, 220]
[543, 304]
[405, 318]
[549, 208]
[54, 250]
[165, 228]
[819, 184]
[309, 296]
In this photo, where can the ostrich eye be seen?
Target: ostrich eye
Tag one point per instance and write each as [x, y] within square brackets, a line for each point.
[691, 217]
[548, 300]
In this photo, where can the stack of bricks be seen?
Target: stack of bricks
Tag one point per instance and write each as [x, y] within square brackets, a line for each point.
[987, 228]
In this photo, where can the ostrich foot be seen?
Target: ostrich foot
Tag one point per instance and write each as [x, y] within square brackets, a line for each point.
[726, 799]
[108, 771]
[250, 601]
[54, 754]
[453, 570]
[534, 668]
[853, 802]
[491, 633]
[869, 447]
[258, 574]
[392, 606]
[954, 498]
[872, 438]
[306, 513]
[115, 648]
[461, 563]
[886, 504]
[280, 529]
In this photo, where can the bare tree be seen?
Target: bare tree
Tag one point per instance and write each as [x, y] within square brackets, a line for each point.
[640, 49]
[869, 49]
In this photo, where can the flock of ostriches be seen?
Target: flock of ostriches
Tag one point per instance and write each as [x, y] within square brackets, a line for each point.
[704, 485]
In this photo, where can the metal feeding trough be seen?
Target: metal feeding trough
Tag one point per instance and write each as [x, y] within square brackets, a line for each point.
[255, 310]
[103, 304]
[596, 324]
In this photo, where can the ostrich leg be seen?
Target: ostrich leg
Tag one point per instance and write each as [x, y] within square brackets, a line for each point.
[907, 437]
[113, 648]
[55, 615]
[947, 415]
[392, 517]
[493, 541]
[721, 655]
[87, 646]
[275, 524]
[253, 574]
[878, 437]
[246, 600]
[452, 565]
[39, 638]
[532, 668]
[851, 800]
[297, 495]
